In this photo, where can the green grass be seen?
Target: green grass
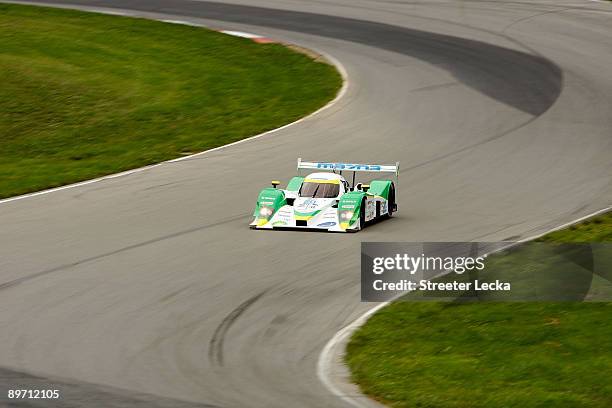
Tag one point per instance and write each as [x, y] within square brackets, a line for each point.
[486, 355]
[84, 94]
[596, 229]
[544, 354]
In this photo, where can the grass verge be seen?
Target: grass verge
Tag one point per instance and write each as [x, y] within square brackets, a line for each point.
[536, 354]
[84, 94]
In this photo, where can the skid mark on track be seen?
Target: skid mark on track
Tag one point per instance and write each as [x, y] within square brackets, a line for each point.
[215, 347]
[32, 276]
[470, 146]
[532, 16]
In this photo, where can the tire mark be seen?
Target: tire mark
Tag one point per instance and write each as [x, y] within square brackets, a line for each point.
[35, 275]
[215, 346]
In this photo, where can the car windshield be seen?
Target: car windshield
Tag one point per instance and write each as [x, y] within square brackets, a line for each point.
[319, 190]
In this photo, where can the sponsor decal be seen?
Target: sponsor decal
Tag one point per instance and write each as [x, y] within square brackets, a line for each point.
[370, 210]
[327, 224]
[310, 203]
[348, 166]
[276, 223]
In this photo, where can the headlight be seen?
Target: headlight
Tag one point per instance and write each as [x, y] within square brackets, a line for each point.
[265, 211]
[346, 215]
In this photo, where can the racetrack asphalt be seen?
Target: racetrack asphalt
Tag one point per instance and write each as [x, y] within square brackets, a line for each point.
[152, 284]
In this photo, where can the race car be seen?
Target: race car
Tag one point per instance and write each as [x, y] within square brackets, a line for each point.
[324, 200]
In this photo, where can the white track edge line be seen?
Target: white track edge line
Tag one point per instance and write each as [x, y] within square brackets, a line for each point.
[332, 60]
[327, 356]
[183, 22]
[241, 34]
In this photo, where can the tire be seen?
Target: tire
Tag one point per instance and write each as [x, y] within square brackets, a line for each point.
[391, 200]
[362, 214]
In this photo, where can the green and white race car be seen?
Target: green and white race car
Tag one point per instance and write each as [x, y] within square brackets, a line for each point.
[325, 200]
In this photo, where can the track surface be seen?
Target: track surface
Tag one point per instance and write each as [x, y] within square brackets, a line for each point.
[152, 284]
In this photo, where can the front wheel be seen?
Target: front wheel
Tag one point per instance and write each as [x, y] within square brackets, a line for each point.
[362, 214]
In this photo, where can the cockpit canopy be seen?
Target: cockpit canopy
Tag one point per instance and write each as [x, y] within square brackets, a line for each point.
[323, 185]
[319, 190]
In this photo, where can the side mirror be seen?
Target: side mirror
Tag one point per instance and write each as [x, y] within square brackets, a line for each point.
[365, 187]
[275, 183]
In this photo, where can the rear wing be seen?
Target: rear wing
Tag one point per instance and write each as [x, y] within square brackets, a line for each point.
[375, 168]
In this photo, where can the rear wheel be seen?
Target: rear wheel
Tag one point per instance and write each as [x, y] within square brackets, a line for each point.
[391, 200]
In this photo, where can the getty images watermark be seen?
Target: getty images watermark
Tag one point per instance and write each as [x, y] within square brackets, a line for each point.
[485, 271]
